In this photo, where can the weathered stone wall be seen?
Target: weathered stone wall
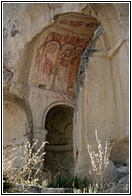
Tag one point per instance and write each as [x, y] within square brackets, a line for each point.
[102, 100]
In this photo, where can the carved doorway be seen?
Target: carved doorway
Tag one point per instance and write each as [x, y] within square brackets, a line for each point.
[59, 151]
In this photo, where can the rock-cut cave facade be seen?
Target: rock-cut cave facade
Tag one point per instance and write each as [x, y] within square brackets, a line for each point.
[65, 75]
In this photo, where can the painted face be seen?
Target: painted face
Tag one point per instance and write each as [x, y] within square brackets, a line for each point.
[68, 52]
[78, 53]
[51, 48]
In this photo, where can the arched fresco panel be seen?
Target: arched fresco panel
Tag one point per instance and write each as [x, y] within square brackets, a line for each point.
[14, 131]
[57, 58]
[15, 121]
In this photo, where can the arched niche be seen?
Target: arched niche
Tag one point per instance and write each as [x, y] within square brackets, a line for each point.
[59, 150]
[16, 131]
[57, 52]
[14, 121]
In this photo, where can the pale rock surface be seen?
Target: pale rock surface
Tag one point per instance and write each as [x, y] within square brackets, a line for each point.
[105, 91]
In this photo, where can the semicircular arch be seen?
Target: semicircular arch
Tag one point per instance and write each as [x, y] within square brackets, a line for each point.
[24, 106]
[58, 103]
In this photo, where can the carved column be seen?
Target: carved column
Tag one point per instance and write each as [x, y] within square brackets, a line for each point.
[39, 136]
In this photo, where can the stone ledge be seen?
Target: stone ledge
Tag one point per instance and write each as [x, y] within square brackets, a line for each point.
[35, 189]
[26, 189]
[57, 190]
[59, 148]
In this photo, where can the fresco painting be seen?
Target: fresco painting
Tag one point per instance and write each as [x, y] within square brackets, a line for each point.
[57, 60]
[73, 68]
[79, 23]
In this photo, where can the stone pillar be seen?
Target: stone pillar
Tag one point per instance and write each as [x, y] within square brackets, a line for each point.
[39, 136]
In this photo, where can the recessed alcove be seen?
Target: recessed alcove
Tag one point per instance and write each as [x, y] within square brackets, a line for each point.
[59, 151]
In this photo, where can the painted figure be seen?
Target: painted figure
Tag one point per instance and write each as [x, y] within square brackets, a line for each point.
[64, 63]
[49, 63]
[73, 68]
